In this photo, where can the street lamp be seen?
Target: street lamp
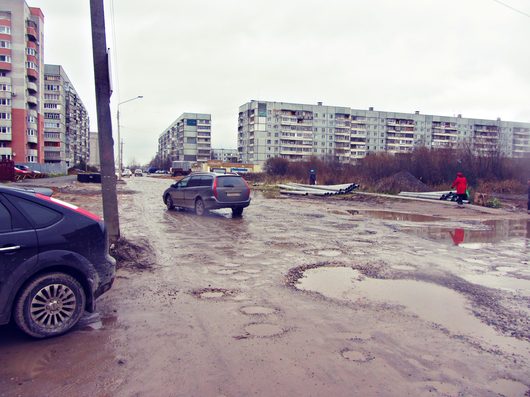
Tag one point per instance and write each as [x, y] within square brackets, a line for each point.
[120, 166]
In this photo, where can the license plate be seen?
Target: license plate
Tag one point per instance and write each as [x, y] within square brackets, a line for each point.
[232, 194]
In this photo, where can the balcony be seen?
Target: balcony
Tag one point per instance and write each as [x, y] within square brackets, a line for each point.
[32, 100]
[32, 138]
[32, 73]
[5, 151]
[33, 152]
[6, 136]
[5, 123]
[52, 148]
[32, 87]
[5, 66]
[32, 33]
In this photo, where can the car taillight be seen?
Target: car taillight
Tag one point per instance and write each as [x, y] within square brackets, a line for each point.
[215, 187]
[75, 208]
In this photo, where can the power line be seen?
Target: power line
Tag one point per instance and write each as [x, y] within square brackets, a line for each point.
[512, 8]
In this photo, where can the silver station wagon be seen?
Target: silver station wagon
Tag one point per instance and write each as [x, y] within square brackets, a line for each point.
[204, 191]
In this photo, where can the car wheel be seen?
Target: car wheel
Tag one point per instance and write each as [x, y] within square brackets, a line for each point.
[199, 207]
[237, 212]
[50, 305]
[169, 202]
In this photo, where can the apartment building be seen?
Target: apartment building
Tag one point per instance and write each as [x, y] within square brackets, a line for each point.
[21, 82]
[225, 155]
[187, 138]
[94, 159]
[298, 131]
[66, 121]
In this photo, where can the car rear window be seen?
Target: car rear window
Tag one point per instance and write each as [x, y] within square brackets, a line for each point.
[230, 181]
[5, 219]
[39, 215]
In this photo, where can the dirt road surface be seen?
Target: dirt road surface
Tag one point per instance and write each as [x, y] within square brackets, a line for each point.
[349, 296]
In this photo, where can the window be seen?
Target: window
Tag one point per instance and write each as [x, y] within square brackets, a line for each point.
[32, 65]
[5, 130]
[51, 106]
[53, 97]
[5, 219]
[5, 44]
[51, 87]
[37, 214]
[5, 29]
[5, 101]
[53, 116]
[5, 58]
[230, 181]
[191, 139]
[5, 116]
[31, 51]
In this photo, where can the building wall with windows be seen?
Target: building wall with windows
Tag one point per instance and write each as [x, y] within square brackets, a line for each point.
[66, 121]
[187, 138]
[21, 82]
[298, 131]
[94, 149]
[225, 155]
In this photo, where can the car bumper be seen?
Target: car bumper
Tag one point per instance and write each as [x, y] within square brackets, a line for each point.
[213, 204]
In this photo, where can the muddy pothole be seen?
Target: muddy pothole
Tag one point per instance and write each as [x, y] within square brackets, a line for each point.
[257, 310]
[357, 356]
[213, 293]
[264, 330]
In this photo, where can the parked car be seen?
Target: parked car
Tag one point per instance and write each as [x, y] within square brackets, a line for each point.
[127, 172]
[203, 191]
[138, 172]
[54, 260]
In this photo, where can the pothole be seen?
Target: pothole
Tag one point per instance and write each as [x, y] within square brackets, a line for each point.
[431, 302]
[257, 310]
[213, 293]
[264, 330]
[356, 355]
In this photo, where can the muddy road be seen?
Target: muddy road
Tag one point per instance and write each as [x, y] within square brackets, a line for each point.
[360, 296]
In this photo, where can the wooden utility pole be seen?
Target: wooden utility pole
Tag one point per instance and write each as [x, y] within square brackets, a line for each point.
[106, 143]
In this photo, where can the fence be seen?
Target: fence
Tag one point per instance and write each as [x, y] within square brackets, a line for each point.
[7, 170]
[48, 168]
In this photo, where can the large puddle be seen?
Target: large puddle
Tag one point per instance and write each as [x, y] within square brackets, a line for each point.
[400, 216]
[475, 236]
[428, 301]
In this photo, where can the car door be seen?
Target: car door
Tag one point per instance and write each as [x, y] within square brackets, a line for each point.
[177, 193]
[191, 191]
[18, 252]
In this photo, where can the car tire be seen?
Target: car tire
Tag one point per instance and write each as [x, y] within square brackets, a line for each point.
[237, 212]
[50, 305]
[169, 202]
[199, 207]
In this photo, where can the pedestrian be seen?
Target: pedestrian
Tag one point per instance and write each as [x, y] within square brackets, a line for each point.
[461, 187]
[312, 177]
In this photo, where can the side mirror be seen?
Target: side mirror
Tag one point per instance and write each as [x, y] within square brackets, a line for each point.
[175, 185]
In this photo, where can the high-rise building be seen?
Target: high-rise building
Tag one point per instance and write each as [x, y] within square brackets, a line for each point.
[225, 155]
[66, 122]
[21, 82]
[187, 138]
[298, 131]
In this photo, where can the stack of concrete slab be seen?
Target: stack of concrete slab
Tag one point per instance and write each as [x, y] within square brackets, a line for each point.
[300, 189]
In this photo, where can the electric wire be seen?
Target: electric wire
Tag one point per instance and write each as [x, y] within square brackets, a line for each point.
[512, 8]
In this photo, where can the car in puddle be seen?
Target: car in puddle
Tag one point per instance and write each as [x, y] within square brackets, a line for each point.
[55, 261]
[204, 191]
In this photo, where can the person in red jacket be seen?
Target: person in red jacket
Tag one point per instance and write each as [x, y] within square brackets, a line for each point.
[461, 187]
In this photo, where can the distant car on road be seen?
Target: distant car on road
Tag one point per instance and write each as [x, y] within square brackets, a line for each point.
[203, 191]
[138, 172]
[127, 172]
[54, 262]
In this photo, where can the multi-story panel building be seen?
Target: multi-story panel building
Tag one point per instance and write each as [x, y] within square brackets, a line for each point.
[225, 155]
[66, 122]
[298, 131]
[94, 149]
[187, 138]
[21, 81]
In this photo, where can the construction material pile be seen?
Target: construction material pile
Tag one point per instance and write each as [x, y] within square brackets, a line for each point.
[400, 181]
[445, 195]
[300, 189]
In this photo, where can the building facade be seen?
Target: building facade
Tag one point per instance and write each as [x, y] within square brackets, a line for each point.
[94, 150]
[66, 121]
[21, 82]
[187, 138]
[298, 131]
[225, 155]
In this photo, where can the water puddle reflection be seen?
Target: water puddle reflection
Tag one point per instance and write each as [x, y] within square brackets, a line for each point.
[431, 302]
[400, 216]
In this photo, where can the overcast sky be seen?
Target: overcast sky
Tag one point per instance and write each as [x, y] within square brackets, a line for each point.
[211, 56]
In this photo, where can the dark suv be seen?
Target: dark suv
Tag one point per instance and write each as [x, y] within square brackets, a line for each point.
[54, 262]
[205, 191]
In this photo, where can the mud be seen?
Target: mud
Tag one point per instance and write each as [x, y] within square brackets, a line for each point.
[135, 254]
[220, 310]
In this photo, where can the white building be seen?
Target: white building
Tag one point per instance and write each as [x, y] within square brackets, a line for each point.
[298, 131]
